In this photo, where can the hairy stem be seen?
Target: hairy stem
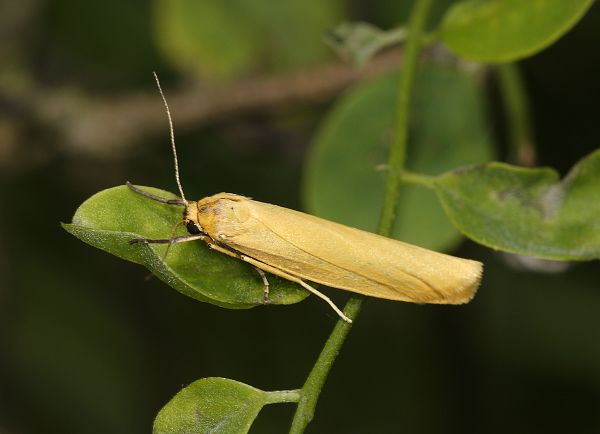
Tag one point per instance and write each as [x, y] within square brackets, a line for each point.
[314, 383]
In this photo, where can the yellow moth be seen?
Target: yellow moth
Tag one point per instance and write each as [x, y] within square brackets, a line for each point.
[298, 247]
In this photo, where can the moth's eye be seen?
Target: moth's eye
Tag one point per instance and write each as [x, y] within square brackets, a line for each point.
[193, 228]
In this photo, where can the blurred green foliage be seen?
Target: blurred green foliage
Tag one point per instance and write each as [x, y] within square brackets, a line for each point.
[257, 33]
[345, 168]
[108, 40]
[88, 346]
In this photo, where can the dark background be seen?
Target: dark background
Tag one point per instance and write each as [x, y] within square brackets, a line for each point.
[88, 346]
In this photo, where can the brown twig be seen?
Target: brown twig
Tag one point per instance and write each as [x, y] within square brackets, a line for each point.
[108, 126]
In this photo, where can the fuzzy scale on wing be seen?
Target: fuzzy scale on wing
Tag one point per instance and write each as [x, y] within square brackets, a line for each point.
[343, 257]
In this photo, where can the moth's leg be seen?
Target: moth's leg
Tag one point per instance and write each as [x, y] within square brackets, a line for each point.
[263, 276]
[174, 240]
[291, 277]
[220, 249]
[236, 255]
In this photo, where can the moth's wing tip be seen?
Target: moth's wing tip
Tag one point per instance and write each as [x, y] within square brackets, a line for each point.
[471, 283]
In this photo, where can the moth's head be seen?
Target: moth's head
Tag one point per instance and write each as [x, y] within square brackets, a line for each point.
[190, 219]
[201, 216]
[214, 214]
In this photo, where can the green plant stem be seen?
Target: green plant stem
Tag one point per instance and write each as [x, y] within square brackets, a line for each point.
[314, 383]
[518, 118]
[309, 394]
[398, 151]
[417, 179]
[282, 396]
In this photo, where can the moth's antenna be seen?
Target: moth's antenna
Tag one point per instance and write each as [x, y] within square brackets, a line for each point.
[172, 131]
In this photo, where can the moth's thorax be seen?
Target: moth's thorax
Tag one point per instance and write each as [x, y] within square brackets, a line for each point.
[220, 215]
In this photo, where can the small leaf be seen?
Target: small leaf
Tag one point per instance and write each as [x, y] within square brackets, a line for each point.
[345, 176]
[357, 42]
[527, 211]
[111, 218]
[507, 30]
[211, 405]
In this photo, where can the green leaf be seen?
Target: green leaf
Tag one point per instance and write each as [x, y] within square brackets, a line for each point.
[212, 405]
[223, 40]
[343, 178]
[507, 30]
[527, 211]
[111, 218]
